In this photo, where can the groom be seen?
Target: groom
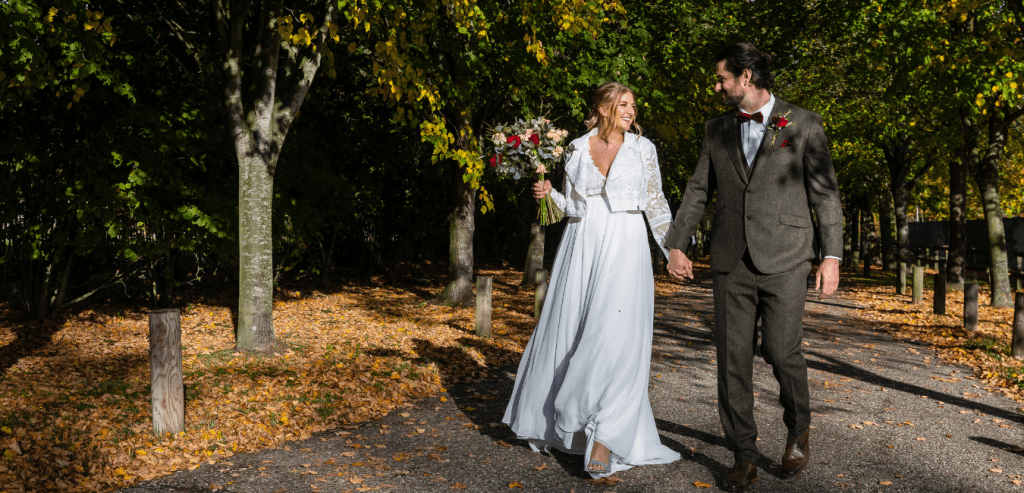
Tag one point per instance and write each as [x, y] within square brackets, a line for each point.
[769, 162]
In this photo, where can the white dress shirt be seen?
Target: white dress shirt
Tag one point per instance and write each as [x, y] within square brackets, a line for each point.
[751, 132]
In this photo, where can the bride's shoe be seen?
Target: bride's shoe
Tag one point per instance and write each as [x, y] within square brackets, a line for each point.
[603, 468]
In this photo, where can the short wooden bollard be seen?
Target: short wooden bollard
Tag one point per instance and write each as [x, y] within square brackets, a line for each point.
[483, 306]
[1020, 278]
[971, 306]
[167, 389]
[918, 284]
[939, 302]
[540, 291]
[901, 274]
[1017, 346]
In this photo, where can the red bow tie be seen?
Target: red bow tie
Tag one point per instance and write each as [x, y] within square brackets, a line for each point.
[743, 117]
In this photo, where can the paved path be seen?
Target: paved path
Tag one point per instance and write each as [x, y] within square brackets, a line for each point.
[887, 417]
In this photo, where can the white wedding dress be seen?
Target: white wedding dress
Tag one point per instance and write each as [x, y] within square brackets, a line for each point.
[584, 374]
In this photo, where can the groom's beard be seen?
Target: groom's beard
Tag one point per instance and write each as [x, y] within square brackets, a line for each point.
[731, 99]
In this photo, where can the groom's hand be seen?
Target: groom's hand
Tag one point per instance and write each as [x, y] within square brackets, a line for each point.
[679, 266]
[827, 277]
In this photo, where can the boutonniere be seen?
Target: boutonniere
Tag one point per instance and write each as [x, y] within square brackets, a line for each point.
[779, 122]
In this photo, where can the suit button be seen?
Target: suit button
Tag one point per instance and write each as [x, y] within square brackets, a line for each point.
[749, 218]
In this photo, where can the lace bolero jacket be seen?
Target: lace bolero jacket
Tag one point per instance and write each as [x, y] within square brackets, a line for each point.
[634, 183]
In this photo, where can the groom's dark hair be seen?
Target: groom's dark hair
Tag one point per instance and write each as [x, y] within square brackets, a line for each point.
[742, 56]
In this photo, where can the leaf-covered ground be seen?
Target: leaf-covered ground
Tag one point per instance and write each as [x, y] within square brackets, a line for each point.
[74, 396]
[987, 350]
[75, 405]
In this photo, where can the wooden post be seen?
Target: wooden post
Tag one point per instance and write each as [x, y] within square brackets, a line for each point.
[1020, 277]
[901, 275]
[1017, 348]
[918, 283]
[971, 306]
[167, 389]
[540, 292]
[483, 306]
[939, 303]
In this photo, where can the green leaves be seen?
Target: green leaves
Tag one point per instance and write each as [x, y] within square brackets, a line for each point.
[53, 47]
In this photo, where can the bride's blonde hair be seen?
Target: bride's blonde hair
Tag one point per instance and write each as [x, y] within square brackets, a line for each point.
[607, 96]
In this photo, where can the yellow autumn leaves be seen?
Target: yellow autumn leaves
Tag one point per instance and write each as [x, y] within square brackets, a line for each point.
[297, 34]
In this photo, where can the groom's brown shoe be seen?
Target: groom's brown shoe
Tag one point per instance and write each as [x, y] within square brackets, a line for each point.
[740, 476]
[798, 452]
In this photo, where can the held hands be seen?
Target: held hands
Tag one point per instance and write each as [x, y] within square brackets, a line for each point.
[681, 267]
[541, 189]
[827, 277]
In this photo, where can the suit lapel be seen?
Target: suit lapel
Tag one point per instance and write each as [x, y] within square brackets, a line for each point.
[766, 151]
[731, 141]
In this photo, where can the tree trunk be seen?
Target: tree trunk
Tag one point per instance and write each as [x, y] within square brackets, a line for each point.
[255, 252]
[986, 175]
[460, 250]
[885, 224]
[867, 236]
[327, 255]
[955, 257]
[988, 185]
[534, 255]
[260, 103]
[848, 231]
[902, 236]
[855, 232]
[167, 293]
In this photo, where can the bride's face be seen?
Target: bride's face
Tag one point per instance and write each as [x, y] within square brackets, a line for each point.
[623, 113]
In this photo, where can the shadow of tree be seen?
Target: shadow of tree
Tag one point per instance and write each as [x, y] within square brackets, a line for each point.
[31, 338]
[1016, 449]
[838, 367]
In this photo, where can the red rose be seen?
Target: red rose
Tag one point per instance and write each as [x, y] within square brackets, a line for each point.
[785, 143]
[495, 160]
[783, 122]
[535, 139]
[514, 140]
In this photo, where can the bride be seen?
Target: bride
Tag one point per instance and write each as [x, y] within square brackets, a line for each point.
[582, 383]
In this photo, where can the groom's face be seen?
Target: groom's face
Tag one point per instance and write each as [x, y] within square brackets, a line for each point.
[728, 85]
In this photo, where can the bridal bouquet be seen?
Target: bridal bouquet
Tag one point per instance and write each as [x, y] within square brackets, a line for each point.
[530, 148]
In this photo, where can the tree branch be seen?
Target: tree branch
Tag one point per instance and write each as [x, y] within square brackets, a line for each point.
[929, 163]
[306, 66]
[229, 30]
[268, 60]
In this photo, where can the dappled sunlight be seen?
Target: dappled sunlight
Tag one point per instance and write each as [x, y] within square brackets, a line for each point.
[986, 350]
[76, 412]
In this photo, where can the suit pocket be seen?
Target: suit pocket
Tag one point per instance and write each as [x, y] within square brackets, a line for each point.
[795, 221]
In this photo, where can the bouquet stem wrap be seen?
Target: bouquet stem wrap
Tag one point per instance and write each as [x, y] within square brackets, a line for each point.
[547, 211]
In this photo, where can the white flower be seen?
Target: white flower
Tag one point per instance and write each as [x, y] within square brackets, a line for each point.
[557, 152]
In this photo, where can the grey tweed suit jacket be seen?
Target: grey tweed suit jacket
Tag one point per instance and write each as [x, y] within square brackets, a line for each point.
[765, 208]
